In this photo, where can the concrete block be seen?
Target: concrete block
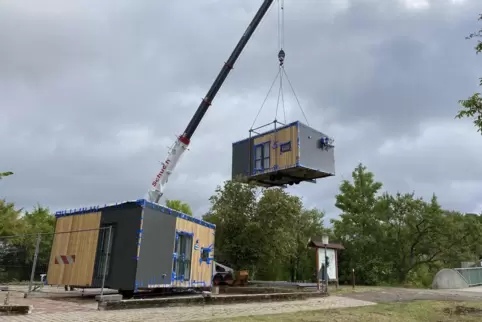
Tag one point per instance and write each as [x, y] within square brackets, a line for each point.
[208, 300]
[206, 294]
[109, 298]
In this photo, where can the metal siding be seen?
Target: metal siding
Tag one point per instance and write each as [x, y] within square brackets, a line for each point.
[123, 265]
[241, 158]
[311, 155]
[157, 247]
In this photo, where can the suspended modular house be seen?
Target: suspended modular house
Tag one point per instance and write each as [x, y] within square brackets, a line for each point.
[150, 246]
[287, 154]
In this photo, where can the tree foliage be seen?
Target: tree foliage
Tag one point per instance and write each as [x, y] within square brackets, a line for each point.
[265, 232]
[399, 238]
[5, 174]
[472, 106]
[388, 238]
[179, 206]
[18, 237]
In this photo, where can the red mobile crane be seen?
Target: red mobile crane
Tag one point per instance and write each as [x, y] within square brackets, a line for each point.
[158, 185]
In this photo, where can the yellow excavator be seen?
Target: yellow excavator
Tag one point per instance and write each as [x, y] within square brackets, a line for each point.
[224, 275]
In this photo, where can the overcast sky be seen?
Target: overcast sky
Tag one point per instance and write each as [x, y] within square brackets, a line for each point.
[93, 92]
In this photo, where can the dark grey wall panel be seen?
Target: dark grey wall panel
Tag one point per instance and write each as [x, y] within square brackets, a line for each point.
[157, 247]
[123, 264]
[311, 155]
[241, 158]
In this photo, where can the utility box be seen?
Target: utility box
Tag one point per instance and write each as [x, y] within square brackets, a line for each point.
[149, 247]
[288, 154]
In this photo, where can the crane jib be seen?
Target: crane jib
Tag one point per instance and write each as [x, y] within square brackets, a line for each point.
[223, 74]
[159, 175]
[159, 182]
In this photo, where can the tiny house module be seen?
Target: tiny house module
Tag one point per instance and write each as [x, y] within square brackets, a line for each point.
[138, 244]
[289, 154]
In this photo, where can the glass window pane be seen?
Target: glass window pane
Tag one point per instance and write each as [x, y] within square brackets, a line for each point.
[257, 164]
[188, 249]
[266, 163]
[266, 150]
[257, 152]
[187, 270]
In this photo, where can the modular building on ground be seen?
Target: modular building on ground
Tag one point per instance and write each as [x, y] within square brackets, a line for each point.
[135, 245]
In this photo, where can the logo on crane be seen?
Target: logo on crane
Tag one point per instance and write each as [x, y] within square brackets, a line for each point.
[159, 175]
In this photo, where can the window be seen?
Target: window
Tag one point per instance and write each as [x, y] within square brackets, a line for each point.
[182, 263]
[261, 156]
[205, 254]
[285, 147]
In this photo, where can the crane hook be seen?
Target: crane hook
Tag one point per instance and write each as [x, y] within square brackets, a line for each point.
[281, 57]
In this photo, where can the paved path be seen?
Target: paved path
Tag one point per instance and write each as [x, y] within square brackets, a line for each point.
[83, 310]
[175, 314]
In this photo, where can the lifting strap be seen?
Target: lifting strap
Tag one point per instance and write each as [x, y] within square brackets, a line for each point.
[280, 74]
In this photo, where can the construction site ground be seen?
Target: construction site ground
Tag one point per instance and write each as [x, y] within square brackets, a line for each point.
[56, 307]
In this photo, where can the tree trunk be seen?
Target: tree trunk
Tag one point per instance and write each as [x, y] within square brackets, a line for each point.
[402, 276]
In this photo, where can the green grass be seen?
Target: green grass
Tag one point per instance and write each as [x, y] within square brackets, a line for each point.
[417, 311]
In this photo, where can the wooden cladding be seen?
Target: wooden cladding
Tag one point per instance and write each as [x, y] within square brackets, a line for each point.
[73, 251]
[203, 238]
[283, 149]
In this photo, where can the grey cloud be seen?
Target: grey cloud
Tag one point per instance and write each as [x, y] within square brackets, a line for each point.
[75, 76]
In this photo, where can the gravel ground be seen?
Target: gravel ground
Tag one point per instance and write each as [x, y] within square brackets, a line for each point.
[388, 295]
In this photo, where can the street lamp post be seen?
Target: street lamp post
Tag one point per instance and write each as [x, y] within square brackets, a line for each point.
[325, 240]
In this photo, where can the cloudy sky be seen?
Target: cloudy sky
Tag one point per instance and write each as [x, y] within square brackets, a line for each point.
[93, 92]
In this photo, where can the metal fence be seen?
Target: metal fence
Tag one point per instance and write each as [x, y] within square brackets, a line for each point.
[472, 275]
[76, 258]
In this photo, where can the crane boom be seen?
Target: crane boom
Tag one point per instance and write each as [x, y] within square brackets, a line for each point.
[180, 145]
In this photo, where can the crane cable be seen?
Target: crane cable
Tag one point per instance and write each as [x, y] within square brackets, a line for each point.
[281, 57]
[281, 72]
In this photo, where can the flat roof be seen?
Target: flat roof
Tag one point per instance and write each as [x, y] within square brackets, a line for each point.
[295, 123]
[139, 202]
[270, 131]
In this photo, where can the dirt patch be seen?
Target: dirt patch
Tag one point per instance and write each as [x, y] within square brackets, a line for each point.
[463, 310]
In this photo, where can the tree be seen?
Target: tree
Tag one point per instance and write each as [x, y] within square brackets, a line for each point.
[10, 223]
[5, 174]
[179, 206]
[400, 238]
[232, 210]
[265, 233]
[413, 233]
[359, 228]
[39, 221]
[307, 225]
[11, 226]
[472, 107]
[20, 233]
[277, 216]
